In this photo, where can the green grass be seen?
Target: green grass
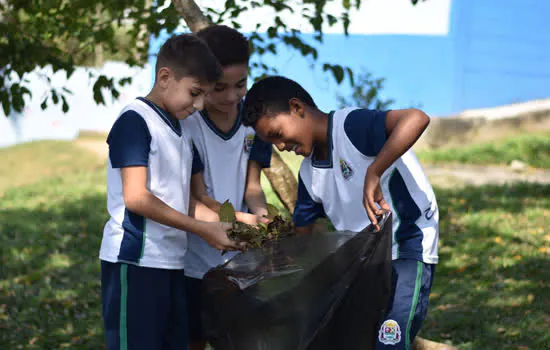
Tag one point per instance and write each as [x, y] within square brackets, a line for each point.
[492, 287]
[30, 162]
[50, 234]
[532, 149]
[491, 291]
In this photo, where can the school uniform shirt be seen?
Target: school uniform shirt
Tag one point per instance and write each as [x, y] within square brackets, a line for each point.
[333, 187]
[145, 135]
[225, 157]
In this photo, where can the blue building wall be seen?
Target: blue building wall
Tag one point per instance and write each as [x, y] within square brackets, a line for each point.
[501, 50]
[496, 52]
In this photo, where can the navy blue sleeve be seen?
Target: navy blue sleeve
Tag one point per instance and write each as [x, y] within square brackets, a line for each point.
[197, 166]
[129, 141]
[261, 152]
[366, 129]
[306, 210]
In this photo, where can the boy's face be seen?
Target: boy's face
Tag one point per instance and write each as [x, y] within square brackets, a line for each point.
[229, 90]
[183, 96]
[290, 131]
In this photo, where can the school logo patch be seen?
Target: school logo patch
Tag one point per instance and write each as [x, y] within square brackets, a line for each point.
[347, 171]
[248, 142]
[389, 333]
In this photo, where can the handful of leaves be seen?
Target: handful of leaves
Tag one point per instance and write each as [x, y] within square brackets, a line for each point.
[255, 236]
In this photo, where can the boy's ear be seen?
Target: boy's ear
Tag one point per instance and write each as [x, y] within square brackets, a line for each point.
[296, 107]
[163, 75]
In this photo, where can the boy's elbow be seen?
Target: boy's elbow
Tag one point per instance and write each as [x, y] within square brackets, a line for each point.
[134, 202]
[422, 117]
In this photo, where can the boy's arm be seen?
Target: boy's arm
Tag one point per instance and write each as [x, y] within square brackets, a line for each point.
[403, 128]
[307, 211]
[387, 136]
[129, 147]
[200, 211]
[254, 194]
[198, 190]
[260, 157]
[208, 206]
[138, 199]
[198, 187]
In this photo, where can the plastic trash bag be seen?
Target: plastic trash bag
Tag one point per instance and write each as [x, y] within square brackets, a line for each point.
[314, 292]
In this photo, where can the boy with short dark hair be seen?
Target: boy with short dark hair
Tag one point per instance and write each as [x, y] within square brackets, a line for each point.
[233, 158]
[357, 156]
[148, 176]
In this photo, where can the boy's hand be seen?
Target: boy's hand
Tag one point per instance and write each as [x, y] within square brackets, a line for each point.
[373, 200]
[215, 234]
[251, 219]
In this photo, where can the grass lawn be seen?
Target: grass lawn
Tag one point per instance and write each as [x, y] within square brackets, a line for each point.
[532, 149]
[492, 288]
[29, 162]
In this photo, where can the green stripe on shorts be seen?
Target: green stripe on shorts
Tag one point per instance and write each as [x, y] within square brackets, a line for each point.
[123, 306]
[417, 285]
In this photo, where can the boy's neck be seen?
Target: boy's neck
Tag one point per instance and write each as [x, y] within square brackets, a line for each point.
[155, 97]
[320, 134]
[223, 121]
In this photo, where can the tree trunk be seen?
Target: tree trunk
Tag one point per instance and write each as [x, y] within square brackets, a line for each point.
[279, 175]
[283, 181]
[192, 14]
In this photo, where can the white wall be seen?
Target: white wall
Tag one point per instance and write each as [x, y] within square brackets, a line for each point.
[84, 114]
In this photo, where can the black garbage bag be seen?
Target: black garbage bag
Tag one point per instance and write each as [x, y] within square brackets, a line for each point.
[314, 292]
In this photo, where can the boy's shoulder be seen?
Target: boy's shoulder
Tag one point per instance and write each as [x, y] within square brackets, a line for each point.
[136, 105]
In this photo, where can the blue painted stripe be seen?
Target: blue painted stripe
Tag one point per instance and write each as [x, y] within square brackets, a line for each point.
[407, 235]
[133, 241]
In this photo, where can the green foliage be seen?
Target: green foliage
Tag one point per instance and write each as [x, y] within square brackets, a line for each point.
[65, 33]
[366, 93]
[278, 226]
[534, 149]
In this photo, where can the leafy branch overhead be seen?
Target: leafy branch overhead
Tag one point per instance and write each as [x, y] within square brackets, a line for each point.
[255, 236]
[67, 34]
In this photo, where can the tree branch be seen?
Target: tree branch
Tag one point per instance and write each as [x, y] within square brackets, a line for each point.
[191, 14]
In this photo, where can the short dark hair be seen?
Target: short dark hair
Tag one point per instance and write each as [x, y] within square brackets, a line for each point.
[271, 96]
[227, 44]
[188, 56]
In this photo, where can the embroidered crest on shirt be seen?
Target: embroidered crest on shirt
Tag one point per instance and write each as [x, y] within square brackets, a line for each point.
[347, 171]
[248, 142]
[389, 333]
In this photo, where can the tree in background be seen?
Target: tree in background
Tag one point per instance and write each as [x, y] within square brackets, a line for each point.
[366, 93]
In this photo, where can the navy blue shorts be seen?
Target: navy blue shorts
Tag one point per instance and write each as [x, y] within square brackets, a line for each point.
[408, 305]
[194, 308]
[143, 308]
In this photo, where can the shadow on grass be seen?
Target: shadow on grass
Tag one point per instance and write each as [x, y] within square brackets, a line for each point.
[491, 288]
[49, 274]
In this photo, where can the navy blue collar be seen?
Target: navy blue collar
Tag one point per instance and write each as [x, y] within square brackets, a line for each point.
[325, 163]
[224, 135]
[171, 121]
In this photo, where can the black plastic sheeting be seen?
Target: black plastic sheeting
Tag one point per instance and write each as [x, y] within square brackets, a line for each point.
[315, 292]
